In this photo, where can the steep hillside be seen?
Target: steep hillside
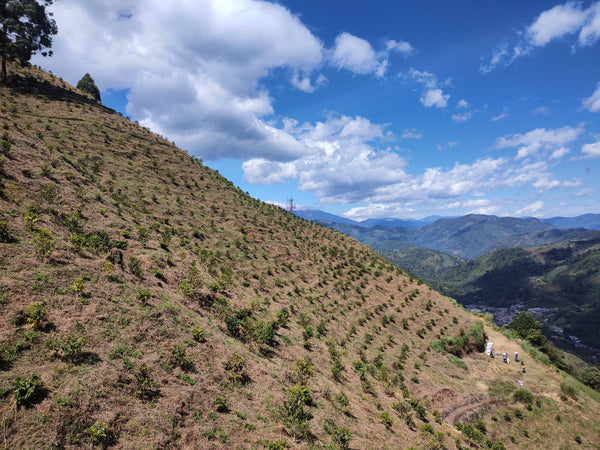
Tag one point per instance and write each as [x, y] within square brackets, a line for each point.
[147, 302]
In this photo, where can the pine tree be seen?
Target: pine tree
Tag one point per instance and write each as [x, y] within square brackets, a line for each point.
[87, 84]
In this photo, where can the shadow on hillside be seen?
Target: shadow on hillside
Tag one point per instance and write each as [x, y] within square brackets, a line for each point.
[30, 85]
[4, 364]
[82, 358]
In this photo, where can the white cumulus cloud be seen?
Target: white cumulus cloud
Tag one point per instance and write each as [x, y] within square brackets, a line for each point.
[591, 150]
[434, 97]
[202, 90]
[355, 54]
[558, 22]
[358, 56]
[538, 140]
[530, 209]
[592, 103]
[462, 117]
[432, 94]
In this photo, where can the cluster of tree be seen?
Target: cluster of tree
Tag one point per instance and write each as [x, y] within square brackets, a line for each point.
[25, 29]
[526, 327]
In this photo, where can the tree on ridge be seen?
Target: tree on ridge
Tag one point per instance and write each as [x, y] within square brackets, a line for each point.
[25, 29]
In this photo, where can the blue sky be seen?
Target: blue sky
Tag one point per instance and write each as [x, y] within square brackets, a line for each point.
[363, 109]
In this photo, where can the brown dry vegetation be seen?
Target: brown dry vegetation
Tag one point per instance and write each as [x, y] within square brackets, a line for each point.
[164, 285]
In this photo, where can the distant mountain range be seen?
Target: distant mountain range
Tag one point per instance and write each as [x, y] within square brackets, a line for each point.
[589, 221]
[469, 236]
[317, 215]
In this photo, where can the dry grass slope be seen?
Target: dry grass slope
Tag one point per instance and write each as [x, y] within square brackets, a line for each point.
[145, 302]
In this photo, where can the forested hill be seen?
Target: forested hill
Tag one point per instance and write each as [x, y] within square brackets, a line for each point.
[147, 302]
[467, 237]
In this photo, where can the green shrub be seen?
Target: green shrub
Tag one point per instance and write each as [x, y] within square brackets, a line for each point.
[185, 377]
[438, 346]
[98, 241]
[341, 401]
[457, 361]
[209, 433]
[235, 367]
[401, 408]
[143, 295]
[77, 286]
[143, 234]
[120, 244]
[522, 395]
[100, 434]
[294, 412]
[43, 241]
[464, 343]
[159, 275]
[223, 436]
[234, 320]
[426, 428]
[275, 445]
[36, 314]
[220, 404]
[145, 386]
[135, 267]
[28, 391]
[569, 389]
[386, 419]
[198, 334]
[180, 358]
[470, 431]
[419, 408]
[262, 332]
[304, 370]
[591, 376]
[341, 436]
[409, 421]
[69, 348]
[5, 146]
[308, 333]
[283, 317]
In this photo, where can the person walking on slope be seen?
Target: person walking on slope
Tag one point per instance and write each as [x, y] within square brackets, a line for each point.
[516, 356]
